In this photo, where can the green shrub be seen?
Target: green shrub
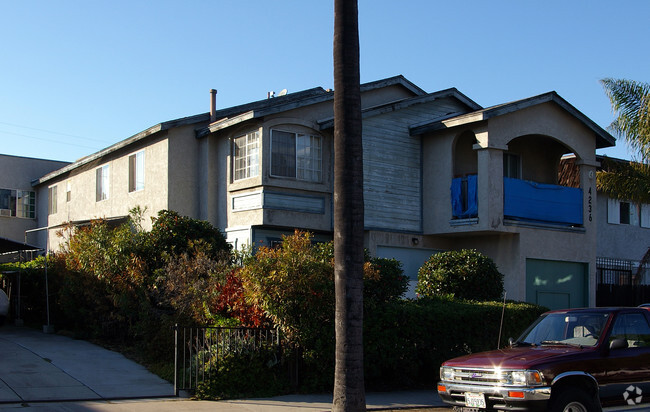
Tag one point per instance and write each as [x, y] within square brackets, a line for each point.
[465, 274]
[406, 341]
[245, 375]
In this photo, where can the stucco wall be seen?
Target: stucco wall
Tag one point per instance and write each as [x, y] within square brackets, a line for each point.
[83, 204]
[619, 241]
[17, 173]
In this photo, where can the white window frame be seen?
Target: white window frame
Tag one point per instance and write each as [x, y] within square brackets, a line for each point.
[307, 159]
[26, 204]
[636, 216]
[102, 183]
[52, 200]
[136, 172]
[19, 203]
[246, 156]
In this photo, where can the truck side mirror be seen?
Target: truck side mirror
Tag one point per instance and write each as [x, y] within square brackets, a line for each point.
[618, 344]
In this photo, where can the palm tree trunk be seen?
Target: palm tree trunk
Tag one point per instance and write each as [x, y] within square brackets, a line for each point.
[349, 391]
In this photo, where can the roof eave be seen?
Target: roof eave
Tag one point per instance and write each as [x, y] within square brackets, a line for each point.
[124, 143]
[603, 138]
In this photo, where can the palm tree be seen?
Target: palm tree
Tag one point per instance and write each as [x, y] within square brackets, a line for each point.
[631, 106]
[349, 392]
[629, 181]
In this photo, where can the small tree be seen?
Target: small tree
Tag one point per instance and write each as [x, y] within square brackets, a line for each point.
[465, 274]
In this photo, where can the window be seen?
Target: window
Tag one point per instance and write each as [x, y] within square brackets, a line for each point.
[18, 203]
[246, 156]
[625, 213]
[68, 191]
[102, 183]
[136, 172]
[511, 166]
[296, 155]
[622, 213]
[633, 328]
[25, 204]
[7, 202]
[51, 197]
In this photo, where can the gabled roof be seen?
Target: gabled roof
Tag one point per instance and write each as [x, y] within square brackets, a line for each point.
[603, 138]
[292, 101]
[404, 103]
[234, 115]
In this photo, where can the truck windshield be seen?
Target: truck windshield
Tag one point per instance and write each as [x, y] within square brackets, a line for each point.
[579, 329]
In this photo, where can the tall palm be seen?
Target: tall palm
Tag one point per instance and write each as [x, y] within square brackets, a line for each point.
[349, 392]
[631, 106]
[629, 181]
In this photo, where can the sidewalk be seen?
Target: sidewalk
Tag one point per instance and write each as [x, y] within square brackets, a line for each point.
[47, 372]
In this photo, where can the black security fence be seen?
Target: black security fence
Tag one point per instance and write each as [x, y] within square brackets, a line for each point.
[622, 282]
[202, 352]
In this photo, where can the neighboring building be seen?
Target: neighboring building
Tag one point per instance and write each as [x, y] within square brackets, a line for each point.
[440, 173]
[20, 203]
[623, 238]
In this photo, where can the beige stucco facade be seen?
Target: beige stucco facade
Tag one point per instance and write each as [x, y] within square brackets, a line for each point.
[415, 144]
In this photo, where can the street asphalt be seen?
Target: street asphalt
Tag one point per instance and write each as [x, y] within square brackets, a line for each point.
[48, 372]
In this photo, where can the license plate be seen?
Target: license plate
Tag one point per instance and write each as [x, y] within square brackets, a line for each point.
[475, 400]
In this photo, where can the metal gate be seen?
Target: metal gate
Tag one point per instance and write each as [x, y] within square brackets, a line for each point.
[199, 349]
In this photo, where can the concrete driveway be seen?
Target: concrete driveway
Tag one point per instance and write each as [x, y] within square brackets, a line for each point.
[44, 372]
[43, 367]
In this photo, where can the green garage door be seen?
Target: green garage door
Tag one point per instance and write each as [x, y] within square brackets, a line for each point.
[555, 284]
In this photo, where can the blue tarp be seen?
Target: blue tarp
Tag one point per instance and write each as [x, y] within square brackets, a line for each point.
[525, 200]
[457, 201]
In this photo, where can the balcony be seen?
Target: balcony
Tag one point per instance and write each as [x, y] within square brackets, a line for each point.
[539, 202]
[523, 200]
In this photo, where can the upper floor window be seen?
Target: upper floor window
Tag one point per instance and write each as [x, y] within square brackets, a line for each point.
[26, 204]
[627, 213]
[68, 191]
[51, 200]
[296, 155]
[101, 182]
[511, 165]
[18, 203]
[136, 172]
[246, 159]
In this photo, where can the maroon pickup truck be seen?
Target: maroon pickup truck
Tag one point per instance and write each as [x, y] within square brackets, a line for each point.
[567, 360]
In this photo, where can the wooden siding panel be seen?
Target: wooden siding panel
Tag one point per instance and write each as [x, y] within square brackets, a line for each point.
[298, 203]
[392, 166]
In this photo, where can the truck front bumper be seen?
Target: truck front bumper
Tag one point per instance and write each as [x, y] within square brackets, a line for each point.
[497, 397]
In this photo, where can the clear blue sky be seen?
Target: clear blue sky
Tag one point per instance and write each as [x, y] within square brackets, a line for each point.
[78, 76]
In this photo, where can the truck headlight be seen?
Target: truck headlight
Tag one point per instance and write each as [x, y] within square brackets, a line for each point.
[446, 374]
[526, 378]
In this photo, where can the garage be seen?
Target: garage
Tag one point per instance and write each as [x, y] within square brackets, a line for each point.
[557, 284]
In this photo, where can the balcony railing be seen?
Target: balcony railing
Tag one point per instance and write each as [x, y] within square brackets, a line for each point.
[531, 201]
[522, 200]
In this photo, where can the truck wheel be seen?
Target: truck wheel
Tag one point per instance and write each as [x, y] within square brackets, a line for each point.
[574, 400]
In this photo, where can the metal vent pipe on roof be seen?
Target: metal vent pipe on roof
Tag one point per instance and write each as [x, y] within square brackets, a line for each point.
[213, 105]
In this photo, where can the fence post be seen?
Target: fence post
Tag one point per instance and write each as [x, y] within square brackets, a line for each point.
[176, 359]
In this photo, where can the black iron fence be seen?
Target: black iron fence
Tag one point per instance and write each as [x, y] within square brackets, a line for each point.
[198, 350]
[622, 282]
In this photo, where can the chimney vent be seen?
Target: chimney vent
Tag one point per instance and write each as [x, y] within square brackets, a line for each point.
[213, 105]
